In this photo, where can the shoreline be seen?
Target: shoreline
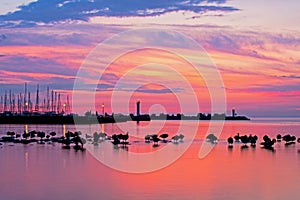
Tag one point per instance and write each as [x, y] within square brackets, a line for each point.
[72, 120]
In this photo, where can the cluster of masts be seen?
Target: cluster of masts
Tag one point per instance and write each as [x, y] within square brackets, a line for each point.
[21, 103]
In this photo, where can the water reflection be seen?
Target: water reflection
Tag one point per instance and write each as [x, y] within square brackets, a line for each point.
[64, 130]
[26, 156]
[65, 163]
[102, 128]
[137, 129]
[223, 174]
[26, 129]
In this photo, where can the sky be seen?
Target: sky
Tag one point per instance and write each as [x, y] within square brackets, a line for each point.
[253, 45]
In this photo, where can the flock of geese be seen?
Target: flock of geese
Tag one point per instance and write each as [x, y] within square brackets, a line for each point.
[267, 142]
[163, 138]
[41, 137]
[79, 140]
[121, 139]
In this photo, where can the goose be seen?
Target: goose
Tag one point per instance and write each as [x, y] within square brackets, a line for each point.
[278, 137]
[230, 141]
[147, 138]
[237, 137]
[164, 137]
[175, 138]
[181, 137]
[244, 140]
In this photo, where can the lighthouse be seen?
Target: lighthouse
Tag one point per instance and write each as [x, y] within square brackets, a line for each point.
[233, 112]
[138, 107]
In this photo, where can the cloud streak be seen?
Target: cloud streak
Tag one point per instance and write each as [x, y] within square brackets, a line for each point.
[26, 64]
[45, 11]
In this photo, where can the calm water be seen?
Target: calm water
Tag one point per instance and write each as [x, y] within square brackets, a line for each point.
[47, 171]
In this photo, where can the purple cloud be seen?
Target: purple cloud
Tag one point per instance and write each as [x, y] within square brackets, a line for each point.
[291, 76]
[268, 88]
[158, 90]
[20, 63]
[45, 11]
[60, 35]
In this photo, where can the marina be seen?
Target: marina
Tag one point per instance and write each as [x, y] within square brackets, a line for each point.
[54, 111]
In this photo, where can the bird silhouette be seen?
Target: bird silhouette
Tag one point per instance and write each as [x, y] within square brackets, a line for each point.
[278, 137]
[154, 136]
[266, 138]
[175, 138]
[116, 140]
[211, 138]
[78, 140]
[293, 138]
[147, 138]
[252, 140]
[289, 139]
[124, 137]
[102, 136]
[230, 142]
[181, 136]
[244, 140]
[155, 140]
[96, 138]
[269, 145]
[237, 137]
[164, 137]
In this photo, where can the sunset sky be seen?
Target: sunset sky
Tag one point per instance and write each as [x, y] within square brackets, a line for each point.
[255, 46]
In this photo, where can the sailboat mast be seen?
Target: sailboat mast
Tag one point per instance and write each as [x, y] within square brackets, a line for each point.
[25, 98]
[48, 100]
[37, 99]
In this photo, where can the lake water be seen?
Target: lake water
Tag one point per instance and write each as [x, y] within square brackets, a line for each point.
[46, 171]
